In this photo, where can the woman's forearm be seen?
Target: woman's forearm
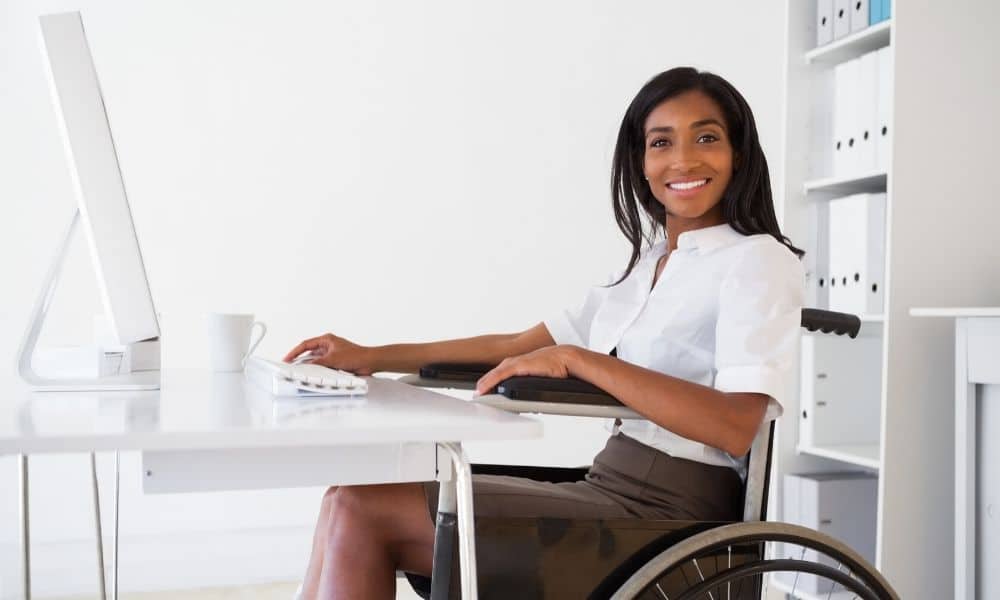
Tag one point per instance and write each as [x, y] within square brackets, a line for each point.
[488, 349]
[408, 358]
[723, 420]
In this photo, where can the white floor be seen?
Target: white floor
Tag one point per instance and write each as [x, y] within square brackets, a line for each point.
[270, 591]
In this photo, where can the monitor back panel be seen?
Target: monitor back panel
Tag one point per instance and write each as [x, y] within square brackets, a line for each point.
[97, 178]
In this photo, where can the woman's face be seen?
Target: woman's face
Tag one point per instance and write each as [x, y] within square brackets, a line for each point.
[688, 158]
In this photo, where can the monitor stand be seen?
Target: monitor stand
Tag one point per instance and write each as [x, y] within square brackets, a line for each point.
[136, 380]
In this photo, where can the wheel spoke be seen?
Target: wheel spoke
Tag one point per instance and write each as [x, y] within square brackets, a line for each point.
[832, 585]
[700, 575]
[795, 582]
[662, 593]
[729, 565]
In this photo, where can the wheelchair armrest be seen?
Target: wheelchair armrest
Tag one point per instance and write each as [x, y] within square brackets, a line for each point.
[545, 395]
[558, 408]
[457, 376]
[428, 382]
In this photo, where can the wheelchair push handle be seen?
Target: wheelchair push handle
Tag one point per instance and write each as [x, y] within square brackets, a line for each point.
[828, 321]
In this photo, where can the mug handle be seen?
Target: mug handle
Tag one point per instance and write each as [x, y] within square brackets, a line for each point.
[253, 346]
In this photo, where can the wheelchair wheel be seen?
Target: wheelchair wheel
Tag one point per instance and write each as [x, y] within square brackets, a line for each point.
[742, 560]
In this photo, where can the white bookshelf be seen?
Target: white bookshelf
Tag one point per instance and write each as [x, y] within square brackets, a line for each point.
[942, 214]
[866, 456]
[851, 46]
[845, 185]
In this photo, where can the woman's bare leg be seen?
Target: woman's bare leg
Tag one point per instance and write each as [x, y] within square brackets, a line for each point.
[310, 585]
[374, 530]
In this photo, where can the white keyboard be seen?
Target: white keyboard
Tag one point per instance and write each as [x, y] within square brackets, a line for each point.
[284, 379]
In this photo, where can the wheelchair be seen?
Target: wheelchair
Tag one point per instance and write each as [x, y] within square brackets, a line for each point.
[558, 558]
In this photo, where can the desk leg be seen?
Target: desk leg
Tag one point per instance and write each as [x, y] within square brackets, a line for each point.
[465, 517]
[114, 549]
[965, 468]
[25, 536]
[97, 526]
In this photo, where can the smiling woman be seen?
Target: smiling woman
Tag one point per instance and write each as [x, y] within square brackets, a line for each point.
[688, 159]
[692, 137]
[705, 323]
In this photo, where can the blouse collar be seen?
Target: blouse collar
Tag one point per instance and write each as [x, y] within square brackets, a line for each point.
[707, 239]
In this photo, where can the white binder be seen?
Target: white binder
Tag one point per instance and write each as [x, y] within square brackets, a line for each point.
[841, 18]
[845, 78]
[857, 254]
[883, 132]
[866, 105]
[859, 14]
[842, 505]
[846, 235]
[789, 514]
[824, 22]
[819, 258]
[841, 390]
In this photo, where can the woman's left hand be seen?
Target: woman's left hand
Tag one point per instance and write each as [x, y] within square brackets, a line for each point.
[550, 361]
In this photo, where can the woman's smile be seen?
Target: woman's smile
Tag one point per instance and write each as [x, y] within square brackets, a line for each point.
[688, 186]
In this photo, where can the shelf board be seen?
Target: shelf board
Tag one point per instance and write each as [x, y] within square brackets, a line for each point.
[985, 311]
[787, 589]
[861, 455]
[851, 46]
[873, 182]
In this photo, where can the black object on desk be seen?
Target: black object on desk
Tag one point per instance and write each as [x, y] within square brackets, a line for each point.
[527, 388]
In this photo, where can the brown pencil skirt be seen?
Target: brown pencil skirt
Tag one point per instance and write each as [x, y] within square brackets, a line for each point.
[628, 479]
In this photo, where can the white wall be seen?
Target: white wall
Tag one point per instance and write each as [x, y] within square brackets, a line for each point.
[267, 145]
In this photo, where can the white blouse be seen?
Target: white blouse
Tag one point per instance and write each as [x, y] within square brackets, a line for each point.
[724, 313]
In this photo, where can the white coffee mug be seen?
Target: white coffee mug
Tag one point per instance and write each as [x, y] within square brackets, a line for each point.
[229, 339]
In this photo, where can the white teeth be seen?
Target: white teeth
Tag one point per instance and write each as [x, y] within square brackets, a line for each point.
[687, 185]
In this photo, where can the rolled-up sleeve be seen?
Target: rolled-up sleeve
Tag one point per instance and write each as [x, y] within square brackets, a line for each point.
[758, 330]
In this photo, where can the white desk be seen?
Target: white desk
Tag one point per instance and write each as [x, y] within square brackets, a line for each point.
[205, 431]
[977, 448]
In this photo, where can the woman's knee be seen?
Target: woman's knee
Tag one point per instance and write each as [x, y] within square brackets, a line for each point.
[328, 496]
[373, 507]
[391, 517]
[354, 500]
[353, 512]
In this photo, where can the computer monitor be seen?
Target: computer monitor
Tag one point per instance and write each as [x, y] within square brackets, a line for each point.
[102, 210]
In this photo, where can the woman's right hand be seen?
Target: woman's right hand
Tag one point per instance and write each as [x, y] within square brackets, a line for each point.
[337, 353]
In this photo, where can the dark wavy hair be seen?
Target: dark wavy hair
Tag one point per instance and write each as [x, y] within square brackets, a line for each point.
[747, 204]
